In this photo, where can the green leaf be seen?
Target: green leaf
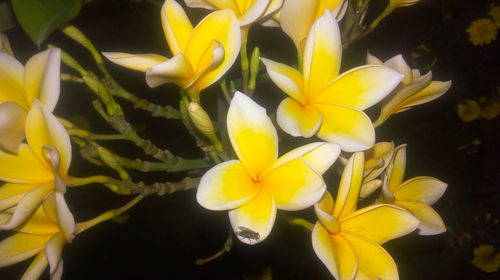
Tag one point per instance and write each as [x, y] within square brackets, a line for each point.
[39, 18]
[7, 19]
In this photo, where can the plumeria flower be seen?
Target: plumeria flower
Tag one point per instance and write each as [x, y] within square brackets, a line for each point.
[5, 45]
[393, 4]
[416, 194]
[44, 235]
[20, 86]
[377, 160]
[322, 102]
[348, 241]
[201, 55]
[258, 183]
[247, 11]
[37, 170]
[413, 90]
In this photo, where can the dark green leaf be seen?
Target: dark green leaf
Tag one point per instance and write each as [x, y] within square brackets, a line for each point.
[39, 18]
[7, 19]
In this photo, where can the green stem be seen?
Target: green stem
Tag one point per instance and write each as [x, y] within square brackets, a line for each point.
[296, 221]
[223, 86]
[245, 65]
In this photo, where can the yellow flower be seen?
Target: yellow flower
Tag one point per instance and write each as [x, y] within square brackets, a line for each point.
[377, 160]
[258, 184]
[19, 86]
[38, 169]
[348, 241]
[319, 97]
[413, 90]
[393, 4]
[482, 31]
[43, 235]
[490, 108]
[485, 260]
[470, 111]
[247, 11]
[201, 54]
[494, 13]
[5, 45]
[416, 194]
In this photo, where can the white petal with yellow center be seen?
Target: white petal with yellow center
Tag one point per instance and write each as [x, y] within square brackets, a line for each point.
[20, 247]
[288, 79]
[11, 81]
[12, 120]
[177, 70]
[430, 221]
[176, 26]
[349, 186]
[297, 119]
[25, 167]
[424, 189]
[138, 62]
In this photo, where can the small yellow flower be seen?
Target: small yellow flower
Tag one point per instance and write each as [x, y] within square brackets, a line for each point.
[482, 31]
[485, 260]
[490, 108]
[494, 13]
[470, 111]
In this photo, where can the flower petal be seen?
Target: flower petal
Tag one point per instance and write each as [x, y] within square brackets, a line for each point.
[11, 194]
[65, 219]
[430, 221]
[396, 169]
[138, 62]
[379, 223]
[297, 17]
[39, 223]
[43, 128]
[211, 60]
[326, 203]
[353, 133]
[252, 134]
[382, 151]
[361, 87]
[53, 251]
[373, 261]
[11, 81]
[369, 187]
[221, 26]
[399, 64]
[37, 267]
[257, 215]
[349, 186]
[272, 7]
[288, 79]
[335, 252]
[251, 10]
[424, 189]
[322, 54]
[199, 4]
[177, 70]
[12, 120]
[298, 120]
[226, 186]
[21, 246]
[42, 78]
[24, 167]
[373, 60]
[176, 26]
[434, 90]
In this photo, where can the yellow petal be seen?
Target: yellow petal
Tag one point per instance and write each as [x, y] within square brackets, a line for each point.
[326, 203]
[361, 87]
[11, 194]
[272, 7]
[251, 10]
[42, 78]
[54, 251]
[12, 118]
[330, 222]
[11, 81]
[223, 27]
[354, 133]
[288, 79]
[177, 70]
[21, 246]
[297, 17]
[65, 219]
[298, 120]
[322, 54]
[369, 187]
[335, 253]
[24, 167]
[43, 128]
[424, 189]
[396, 169]
[37, 267]
[257, 216]
[430, 221]
[199, 4]
[176, 26]
[39, 223]
[138, 62]
[383, 151]
[399, 64]
[225, 4]
[294, 185]
[379, 223]
[373, 261]
[349, 186]
[226, 186]
[210, 61]
[338, 8]
[432, 91]
[252, 134]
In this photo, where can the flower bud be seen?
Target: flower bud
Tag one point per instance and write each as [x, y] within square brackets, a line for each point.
[112, 161]
[202, 122]
[254, 68]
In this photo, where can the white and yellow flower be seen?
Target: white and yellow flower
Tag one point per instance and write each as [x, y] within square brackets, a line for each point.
[258, 184]
[413, 90]
[325, 103]
[416, 194]
[20, 86]
[347, 240]
[201, 55]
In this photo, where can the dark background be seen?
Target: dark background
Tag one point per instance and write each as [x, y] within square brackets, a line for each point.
[163, 236]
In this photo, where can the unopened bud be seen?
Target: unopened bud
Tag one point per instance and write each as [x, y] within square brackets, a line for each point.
[254, 68]
[202, 122]
[112, 161]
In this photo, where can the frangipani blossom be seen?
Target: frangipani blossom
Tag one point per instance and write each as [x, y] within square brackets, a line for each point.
[348, 241]
[247, 11]
[44, 235]
[20, 86]
[393, 4]
[325, 103]
[416, 194]
[413, 90]
[377, 160]
[259, 183]
[201, 55]
[37, 170]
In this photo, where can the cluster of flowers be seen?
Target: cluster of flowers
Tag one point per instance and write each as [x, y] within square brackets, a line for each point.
[321, 102]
